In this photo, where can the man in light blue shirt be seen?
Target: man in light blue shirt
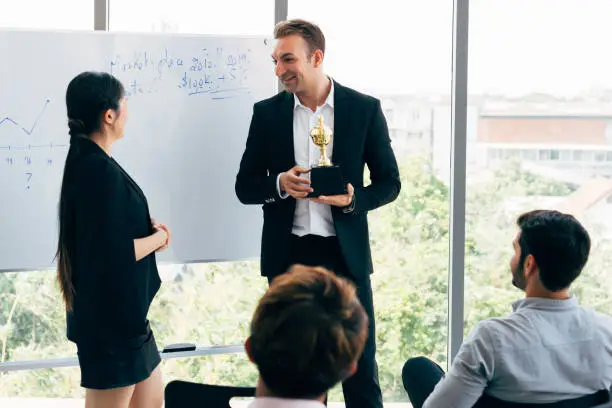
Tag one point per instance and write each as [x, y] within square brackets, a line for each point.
[549, 349]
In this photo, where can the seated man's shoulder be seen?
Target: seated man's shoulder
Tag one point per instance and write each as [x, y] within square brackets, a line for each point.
[502, 331]
[604, 323]
[489, 326]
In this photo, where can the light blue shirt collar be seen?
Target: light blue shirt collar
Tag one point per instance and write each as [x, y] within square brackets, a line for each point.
[545, 304]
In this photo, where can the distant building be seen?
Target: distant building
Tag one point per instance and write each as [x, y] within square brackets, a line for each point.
[575, 139]
[571, 140]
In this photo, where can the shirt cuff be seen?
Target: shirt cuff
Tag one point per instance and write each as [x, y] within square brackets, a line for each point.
[281, 194]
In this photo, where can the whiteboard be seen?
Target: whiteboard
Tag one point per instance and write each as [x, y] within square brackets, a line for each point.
[190, 101]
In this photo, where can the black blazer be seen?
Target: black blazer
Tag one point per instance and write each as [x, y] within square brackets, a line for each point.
[360, 137]
[107, 212]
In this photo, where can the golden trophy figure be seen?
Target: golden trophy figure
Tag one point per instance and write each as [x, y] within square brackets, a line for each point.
[325, 178]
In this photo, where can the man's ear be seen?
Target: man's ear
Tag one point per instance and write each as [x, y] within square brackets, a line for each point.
[529, 266]
[247, 348]
[317, 58]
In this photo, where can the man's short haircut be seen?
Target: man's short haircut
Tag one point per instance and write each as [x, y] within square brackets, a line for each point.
[307, 331]
[559, 244]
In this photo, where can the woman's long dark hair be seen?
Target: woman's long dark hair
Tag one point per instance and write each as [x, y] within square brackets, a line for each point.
[88, 97]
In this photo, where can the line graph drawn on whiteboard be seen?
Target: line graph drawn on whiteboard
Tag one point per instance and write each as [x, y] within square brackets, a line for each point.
[23, 148]
[7, 120]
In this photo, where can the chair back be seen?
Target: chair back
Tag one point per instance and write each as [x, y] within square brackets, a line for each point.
[184, 394]
[588, 401]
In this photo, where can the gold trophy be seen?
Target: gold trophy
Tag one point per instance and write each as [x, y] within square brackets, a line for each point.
[325, 178]
[321, 136]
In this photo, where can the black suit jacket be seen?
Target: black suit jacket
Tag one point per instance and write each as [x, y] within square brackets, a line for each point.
[107, 212]
[360, 137]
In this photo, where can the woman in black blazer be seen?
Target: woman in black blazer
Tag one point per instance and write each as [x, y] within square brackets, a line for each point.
[106, 254]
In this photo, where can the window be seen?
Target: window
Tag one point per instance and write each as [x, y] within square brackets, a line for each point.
[517, 69]
[362, 52]
[544, 155]
[509, 153]
[207, 304]
[554, 155]
[240, 17]
[45, 14]
[579, 155]
[530, 154]
[32, 322]
[549, 154]
[492, 154]
[565, 155]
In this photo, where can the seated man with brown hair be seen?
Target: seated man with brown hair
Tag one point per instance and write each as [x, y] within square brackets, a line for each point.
[307, 333]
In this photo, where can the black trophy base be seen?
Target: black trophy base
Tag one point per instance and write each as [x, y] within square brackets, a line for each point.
[327, 181]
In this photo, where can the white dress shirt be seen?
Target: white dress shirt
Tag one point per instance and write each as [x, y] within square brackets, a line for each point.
[546, 351]
[268, 402]
[310, 218]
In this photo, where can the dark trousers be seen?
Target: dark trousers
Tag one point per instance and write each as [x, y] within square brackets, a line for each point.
[420, 376]
[362, 390]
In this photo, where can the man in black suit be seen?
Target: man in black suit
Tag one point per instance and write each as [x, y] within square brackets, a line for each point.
[328, 231]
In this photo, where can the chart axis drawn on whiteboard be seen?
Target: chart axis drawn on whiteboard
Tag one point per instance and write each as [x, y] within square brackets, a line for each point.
[8, 120]
[24, 153]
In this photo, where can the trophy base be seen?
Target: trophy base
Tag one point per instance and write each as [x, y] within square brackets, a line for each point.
[327, 181]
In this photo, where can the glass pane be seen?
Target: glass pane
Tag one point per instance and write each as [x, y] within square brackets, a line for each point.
[554, 155]
[199, 303]
[205, 304]
[600, 156]
[566, 155]
[239, 17]
[544, 99]
[530, 155]
[400, 52]
[32, 318]
[46, 14]
[50, 388]
[42, 388]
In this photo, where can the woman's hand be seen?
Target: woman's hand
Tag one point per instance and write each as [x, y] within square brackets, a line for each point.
[159, 227]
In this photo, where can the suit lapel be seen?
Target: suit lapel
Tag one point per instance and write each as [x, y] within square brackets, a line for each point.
[285, 139]
[341, 116]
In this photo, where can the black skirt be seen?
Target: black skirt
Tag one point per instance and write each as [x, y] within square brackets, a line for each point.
[124, 363]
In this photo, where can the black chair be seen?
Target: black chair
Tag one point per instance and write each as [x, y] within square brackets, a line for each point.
[184, 394]
[588, 401]
[420, 375]
[609, 404]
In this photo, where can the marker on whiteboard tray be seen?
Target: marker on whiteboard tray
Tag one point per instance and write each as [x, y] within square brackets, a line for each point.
[178, 347]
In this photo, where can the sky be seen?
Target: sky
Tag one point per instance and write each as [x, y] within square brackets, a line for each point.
[389, 46]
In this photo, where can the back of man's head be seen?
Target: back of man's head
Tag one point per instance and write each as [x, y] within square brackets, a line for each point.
[559, 244]
[307, 333]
